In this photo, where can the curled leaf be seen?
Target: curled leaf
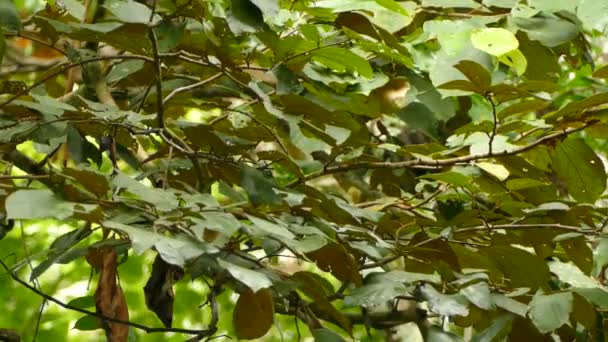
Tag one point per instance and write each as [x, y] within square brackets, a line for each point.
[159, 289]
[110, 301]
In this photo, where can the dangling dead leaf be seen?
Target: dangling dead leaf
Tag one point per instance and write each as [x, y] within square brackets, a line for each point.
[109, 299]
[253, 314]
[159, 289]
[334, 258]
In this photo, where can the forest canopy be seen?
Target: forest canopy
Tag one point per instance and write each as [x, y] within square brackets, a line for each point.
[286, 170]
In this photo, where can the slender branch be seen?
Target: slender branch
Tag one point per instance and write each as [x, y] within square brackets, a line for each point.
[159, 80]
[142, 327]
[415, 163]
[559, 226]
[528, 226]
[307, 52]
[495, 122]
[35, 40]
[190, 87]
[266, 127]
[30, 177]
[68, 67]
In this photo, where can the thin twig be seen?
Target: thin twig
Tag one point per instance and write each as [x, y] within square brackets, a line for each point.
[138, 326]
[307, 52]
[35, 40]
[416, 163]
[190, 87]
[36, 282]
[159, 80]
[68, 67]
[495, 122]
[266, 127]
[29, 177]
[484, 228]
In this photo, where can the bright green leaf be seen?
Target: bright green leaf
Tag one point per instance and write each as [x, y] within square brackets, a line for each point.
[494, 41]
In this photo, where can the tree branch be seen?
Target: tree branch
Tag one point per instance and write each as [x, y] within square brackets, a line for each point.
[438, 163]
[190, 87]
[138, 326]
[68, 67]
[159, 79]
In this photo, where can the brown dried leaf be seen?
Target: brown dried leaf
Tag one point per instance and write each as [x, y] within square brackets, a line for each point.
[334, 258]
[253, 314]
[159, 289]
[110, 301]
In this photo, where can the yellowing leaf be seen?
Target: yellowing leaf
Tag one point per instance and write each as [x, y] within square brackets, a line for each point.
[516, 60]
[496, 170]
[494, 41]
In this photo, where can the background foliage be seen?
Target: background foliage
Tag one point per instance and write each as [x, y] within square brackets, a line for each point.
[281, 170]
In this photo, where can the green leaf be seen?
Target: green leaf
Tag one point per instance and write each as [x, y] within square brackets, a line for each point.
[318, 289]
[497, 170]
[450, 3]
[174, 250]
[288, 82]
[516, 60]
[326, 335]
[259, 188]
[387, 14]
[494, 41]
[597, 296]
[549, 312]
[522, 107]
[601, 72]
[523, 183]
[87, 323]
[130, 11]
[521, 268]
[498, 330]
[477, 74]
[549, 31]
[479, 294]
[83, 302]
[510, 304]
[592, 14]
[169, 35]
[448, 305]
[579, 253]
[92, 180]
[342, 60]
[9, 17]
[124, 69]
[269, 228]
[59, 250]
[162, 199]
[224, 223]
[244, 17]
[372, 295]
[581, 170]
[81, 150]
[36, 204]
[437, 334]
[600, 259]
[253, 279]
[579, 107]
[269, 8]
[461, 85]
[501, 3]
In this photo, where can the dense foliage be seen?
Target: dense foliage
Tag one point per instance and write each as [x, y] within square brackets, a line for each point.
[357, 166]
